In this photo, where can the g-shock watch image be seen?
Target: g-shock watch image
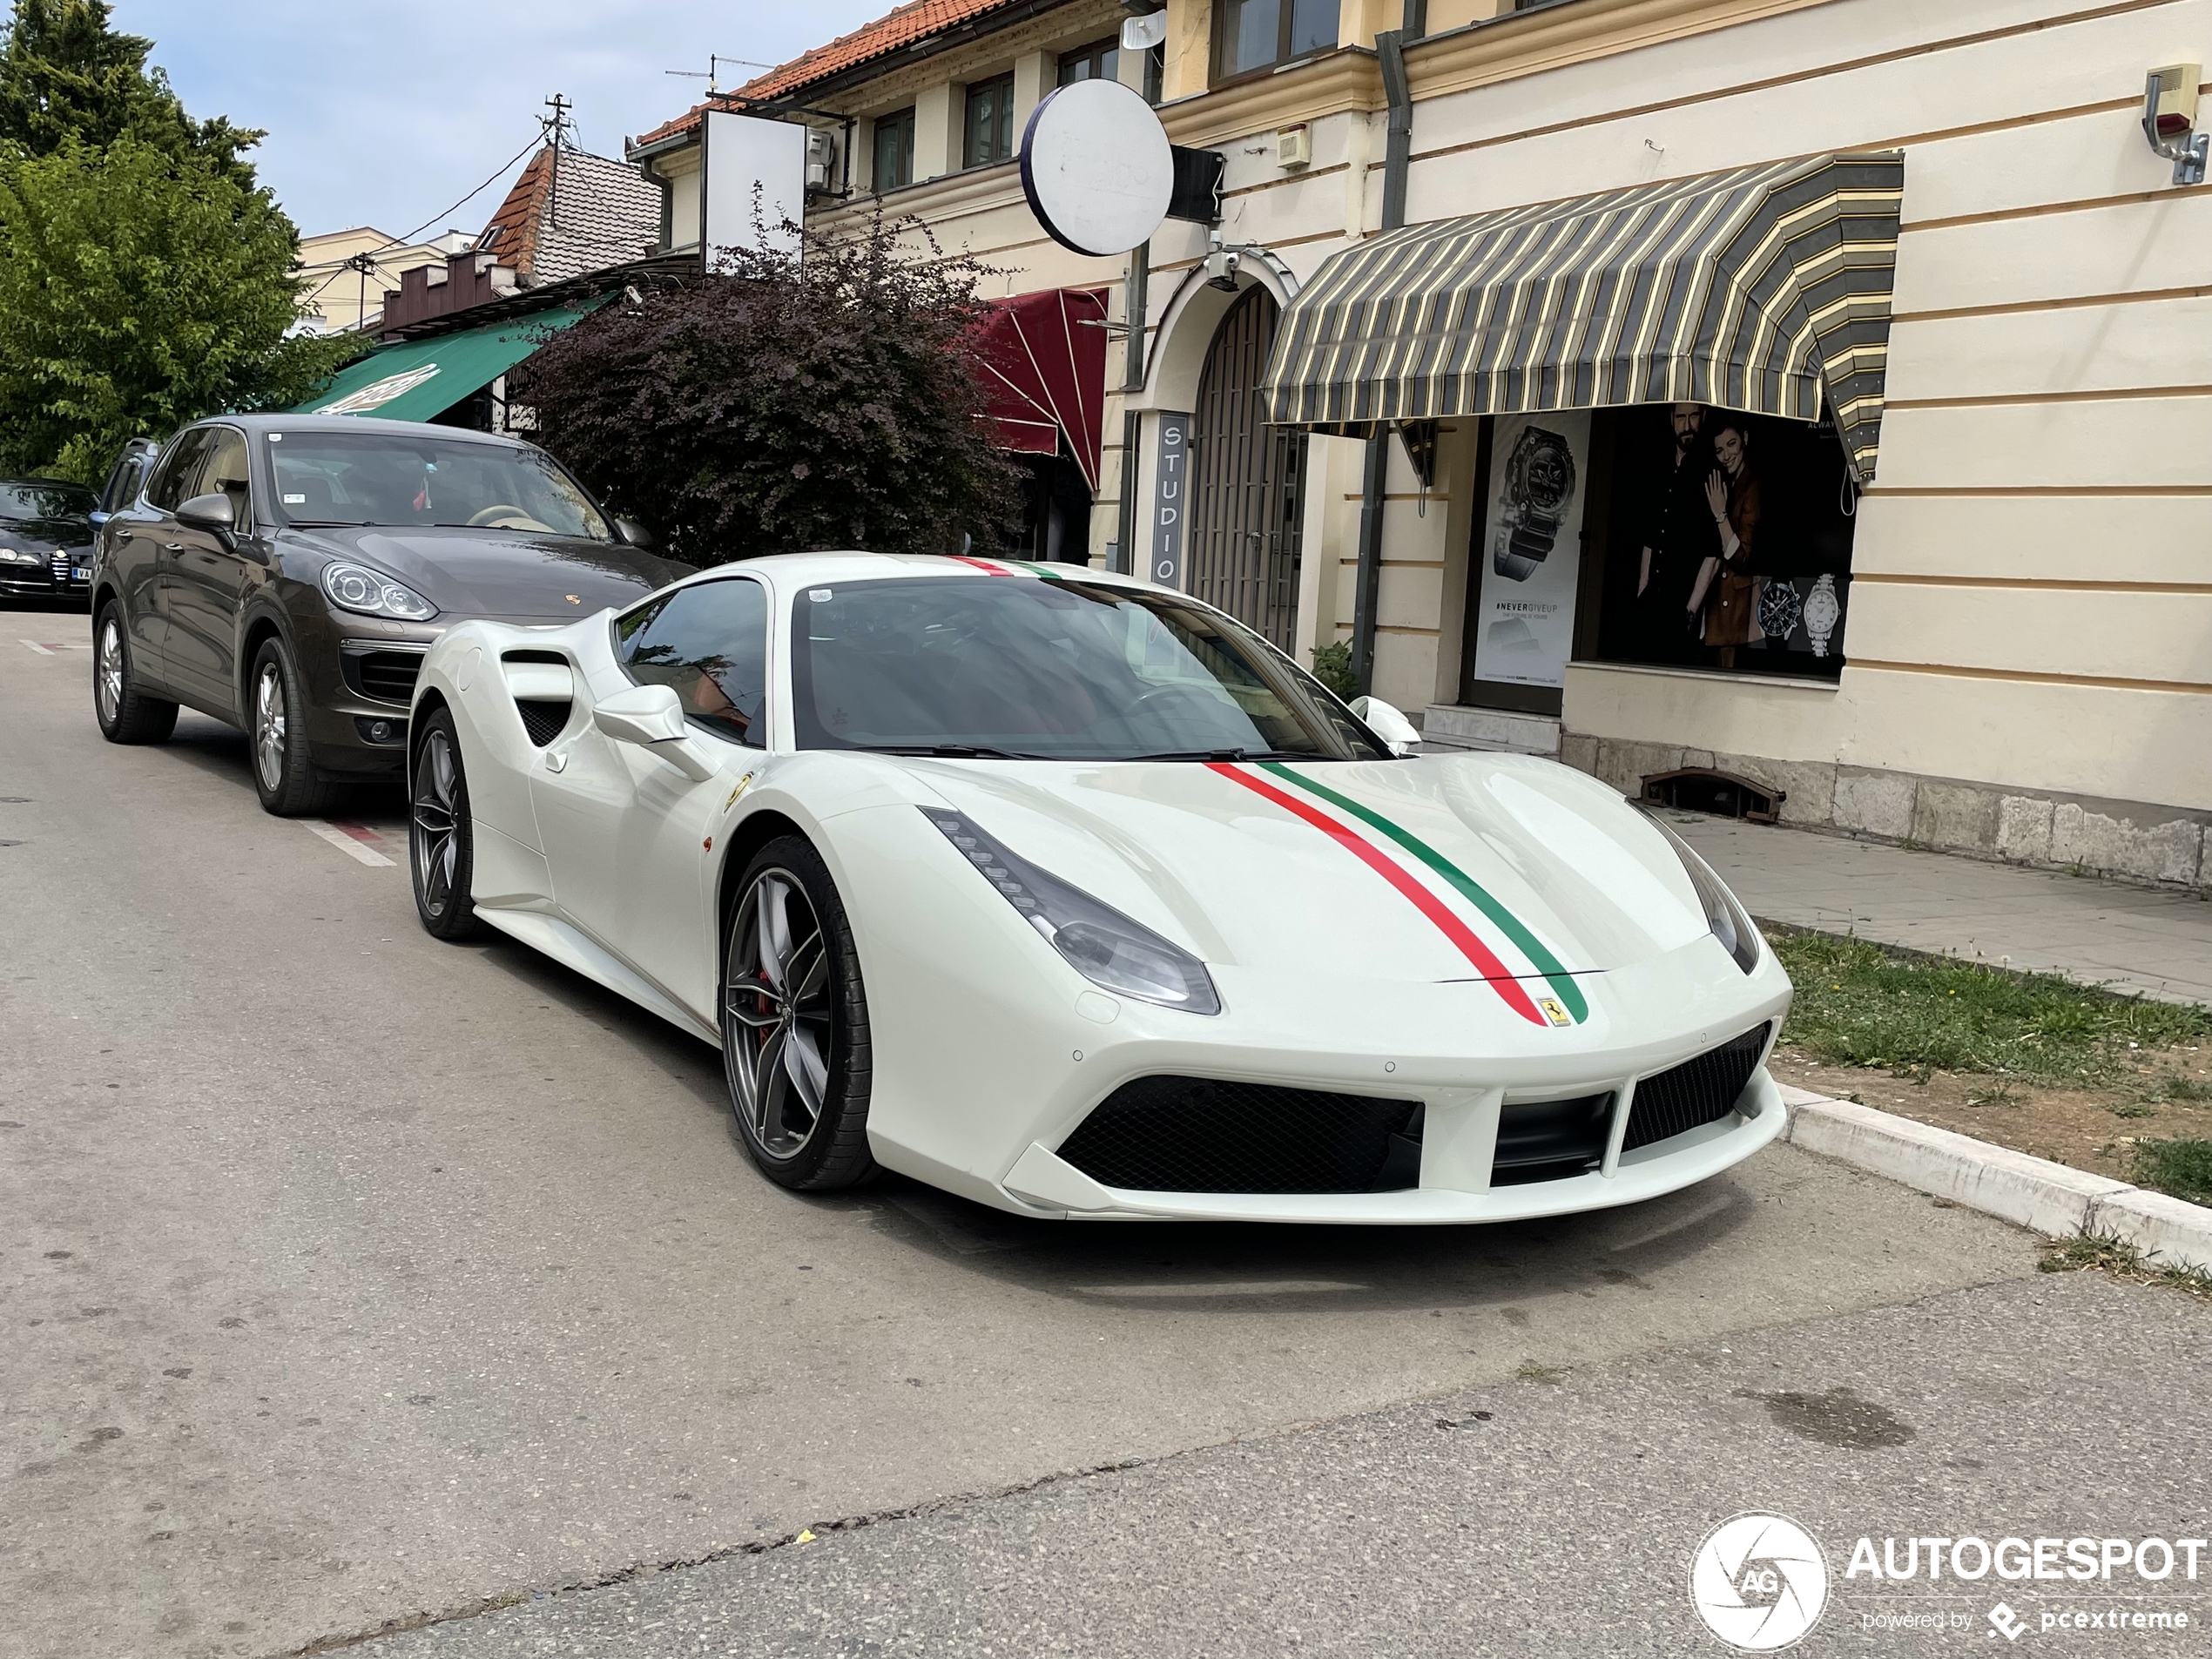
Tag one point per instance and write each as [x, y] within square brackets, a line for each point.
[1539, 481]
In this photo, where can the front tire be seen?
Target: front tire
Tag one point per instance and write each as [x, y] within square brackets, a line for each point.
[277, 710]
[440, 835]
[126, 714]
[795, 1023]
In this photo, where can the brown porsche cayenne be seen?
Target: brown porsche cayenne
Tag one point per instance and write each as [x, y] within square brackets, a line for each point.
[286, 573]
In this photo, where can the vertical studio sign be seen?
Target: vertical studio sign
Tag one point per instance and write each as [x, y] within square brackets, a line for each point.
[1171, 488]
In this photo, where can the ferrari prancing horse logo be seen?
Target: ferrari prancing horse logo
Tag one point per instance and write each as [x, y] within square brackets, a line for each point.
[1555, 1010]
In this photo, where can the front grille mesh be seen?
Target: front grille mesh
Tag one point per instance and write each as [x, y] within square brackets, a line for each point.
[543, 717]
[388, 676]
[1697, 1092]
[1194, 1135]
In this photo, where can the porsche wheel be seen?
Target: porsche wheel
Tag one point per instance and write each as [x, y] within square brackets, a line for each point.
[284, 777]
[440, 843]
[795, 1023]
[125, 713]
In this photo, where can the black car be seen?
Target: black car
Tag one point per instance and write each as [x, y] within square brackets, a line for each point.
[45, 538]
[287, 573]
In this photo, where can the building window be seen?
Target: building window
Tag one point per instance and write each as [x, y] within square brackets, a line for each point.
[989, 127]
[894, 150]
[1252, 35]
[1100, 61]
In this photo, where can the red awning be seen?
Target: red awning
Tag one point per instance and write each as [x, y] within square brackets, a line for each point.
[1044, 373]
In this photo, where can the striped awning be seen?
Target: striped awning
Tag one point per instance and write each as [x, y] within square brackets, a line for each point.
[1759, 290]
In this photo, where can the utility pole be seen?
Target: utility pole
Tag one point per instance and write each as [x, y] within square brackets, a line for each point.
[557, 128]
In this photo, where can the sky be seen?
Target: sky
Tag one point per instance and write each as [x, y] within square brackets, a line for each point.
[384, 112]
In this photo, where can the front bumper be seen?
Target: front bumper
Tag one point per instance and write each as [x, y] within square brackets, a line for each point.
[990, 1052]
[62, 577]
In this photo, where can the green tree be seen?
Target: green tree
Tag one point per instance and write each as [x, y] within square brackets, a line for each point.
[65, 74]
[140, 290]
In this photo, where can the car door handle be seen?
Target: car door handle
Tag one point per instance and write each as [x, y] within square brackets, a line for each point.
[172, 547]
[122, 535]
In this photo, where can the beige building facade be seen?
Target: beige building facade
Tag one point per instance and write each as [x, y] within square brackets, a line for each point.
[344, 273]
[2014, 612]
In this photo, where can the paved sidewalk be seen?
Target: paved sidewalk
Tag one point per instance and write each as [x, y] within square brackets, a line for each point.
[2140, 939]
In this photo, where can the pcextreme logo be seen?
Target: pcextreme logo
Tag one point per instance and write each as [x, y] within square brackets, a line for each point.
[1759, 1581]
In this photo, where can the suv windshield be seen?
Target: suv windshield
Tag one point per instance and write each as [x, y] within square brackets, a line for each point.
[1053, 670]
[37, 500]
[379, 478]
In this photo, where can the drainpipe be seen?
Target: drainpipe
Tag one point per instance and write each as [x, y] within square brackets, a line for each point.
[1390, 48]
[1133, 308]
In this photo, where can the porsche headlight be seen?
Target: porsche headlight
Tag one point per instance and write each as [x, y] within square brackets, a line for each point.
[1102, 945]
[352, 588]
[1723, 914]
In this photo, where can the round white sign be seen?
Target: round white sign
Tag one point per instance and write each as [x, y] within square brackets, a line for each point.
[1096, 167]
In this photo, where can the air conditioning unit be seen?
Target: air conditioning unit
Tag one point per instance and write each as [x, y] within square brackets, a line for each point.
[1294, 147]
[821, 159]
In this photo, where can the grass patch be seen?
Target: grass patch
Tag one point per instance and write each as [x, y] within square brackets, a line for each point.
[1860, 1005]
[2176, 1087]
[2180, 1168]
[2123, 1261]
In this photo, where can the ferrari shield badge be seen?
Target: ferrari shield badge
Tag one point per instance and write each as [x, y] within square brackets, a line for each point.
[1555, 1010]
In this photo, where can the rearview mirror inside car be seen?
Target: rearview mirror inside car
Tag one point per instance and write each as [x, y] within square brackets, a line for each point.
[209, 512]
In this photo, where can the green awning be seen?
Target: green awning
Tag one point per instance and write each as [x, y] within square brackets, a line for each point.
[417, 379]
[1762, 289]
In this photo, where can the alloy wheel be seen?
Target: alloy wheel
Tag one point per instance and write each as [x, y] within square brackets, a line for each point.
[269, 727]
[437, 852]
[107, 675]
[775, 1024]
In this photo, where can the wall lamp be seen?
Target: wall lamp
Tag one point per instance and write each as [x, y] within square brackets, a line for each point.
[2169, 120]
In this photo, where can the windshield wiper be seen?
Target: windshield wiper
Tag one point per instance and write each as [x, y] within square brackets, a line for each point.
[329, 523]
[1225, 755]
[949, 751]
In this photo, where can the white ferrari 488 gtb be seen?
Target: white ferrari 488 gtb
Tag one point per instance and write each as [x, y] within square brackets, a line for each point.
[1072, 894]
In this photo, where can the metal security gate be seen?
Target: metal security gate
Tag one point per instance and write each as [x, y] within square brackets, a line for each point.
[1247, 480]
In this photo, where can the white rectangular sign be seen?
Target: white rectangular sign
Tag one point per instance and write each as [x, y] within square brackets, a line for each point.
[1530, 555]
[754, 181]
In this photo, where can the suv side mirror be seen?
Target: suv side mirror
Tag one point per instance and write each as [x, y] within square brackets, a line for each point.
[652, 717]
[634, 533]
[209, 512]
[1387, 723]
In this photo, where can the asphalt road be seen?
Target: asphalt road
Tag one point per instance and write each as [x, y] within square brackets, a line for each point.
[351, 1281]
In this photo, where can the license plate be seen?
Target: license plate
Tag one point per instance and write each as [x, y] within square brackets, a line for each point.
[80, 573]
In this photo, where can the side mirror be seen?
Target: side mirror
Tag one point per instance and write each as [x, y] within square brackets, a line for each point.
[1387, 723]
[634, 533]
[210, 512]
[652, 717]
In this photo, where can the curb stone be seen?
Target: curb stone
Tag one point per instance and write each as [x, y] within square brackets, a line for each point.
[2032, 1192]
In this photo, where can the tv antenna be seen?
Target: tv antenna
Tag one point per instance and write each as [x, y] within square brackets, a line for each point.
[712, 73]
[557, 127]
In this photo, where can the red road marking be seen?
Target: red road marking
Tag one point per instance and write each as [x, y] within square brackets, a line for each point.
[359, 832]
[1501, 979]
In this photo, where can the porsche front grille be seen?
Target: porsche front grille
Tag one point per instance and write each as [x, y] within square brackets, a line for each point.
[1195, 1134]
[1697, 1092]
[387, 676]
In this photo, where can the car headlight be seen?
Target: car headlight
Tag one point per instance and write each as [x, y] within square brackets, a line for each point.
[10, 556]
[351, 587]
[1102, 945]
[1726, 917]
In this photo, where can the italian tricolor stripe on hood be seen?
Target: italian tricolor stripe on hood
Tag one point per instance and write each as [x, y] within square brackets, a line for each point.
[1564, 1005]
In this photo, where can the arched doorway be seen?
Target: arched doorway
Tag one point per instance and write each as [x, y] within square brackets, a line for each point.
[1247, 480]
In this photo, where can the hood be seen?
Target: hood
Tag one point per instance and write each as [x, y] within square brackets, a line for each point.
[1496, 868]
[473, 573]
[46, 535]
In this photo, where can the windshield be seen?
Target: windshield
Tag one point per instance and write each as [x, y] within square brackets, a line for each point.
[1056, 669]
[379, 478]
[46, 501]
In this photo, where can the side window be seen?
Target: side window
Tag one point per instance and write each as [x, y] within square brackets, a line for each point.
[225, 471]
[711, 644]
[179, 467]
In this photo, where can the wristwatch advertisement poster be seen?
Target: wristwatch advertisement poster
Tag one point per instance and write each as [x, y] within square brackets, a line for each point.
[1529, 559]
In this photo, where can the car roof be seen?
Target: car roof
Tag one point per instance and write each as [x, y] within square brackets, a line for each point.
[788, 570]
[360, 423]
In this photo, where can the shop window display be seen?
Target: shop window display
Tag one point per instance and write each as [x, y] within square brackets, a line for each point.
[1727, 542]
